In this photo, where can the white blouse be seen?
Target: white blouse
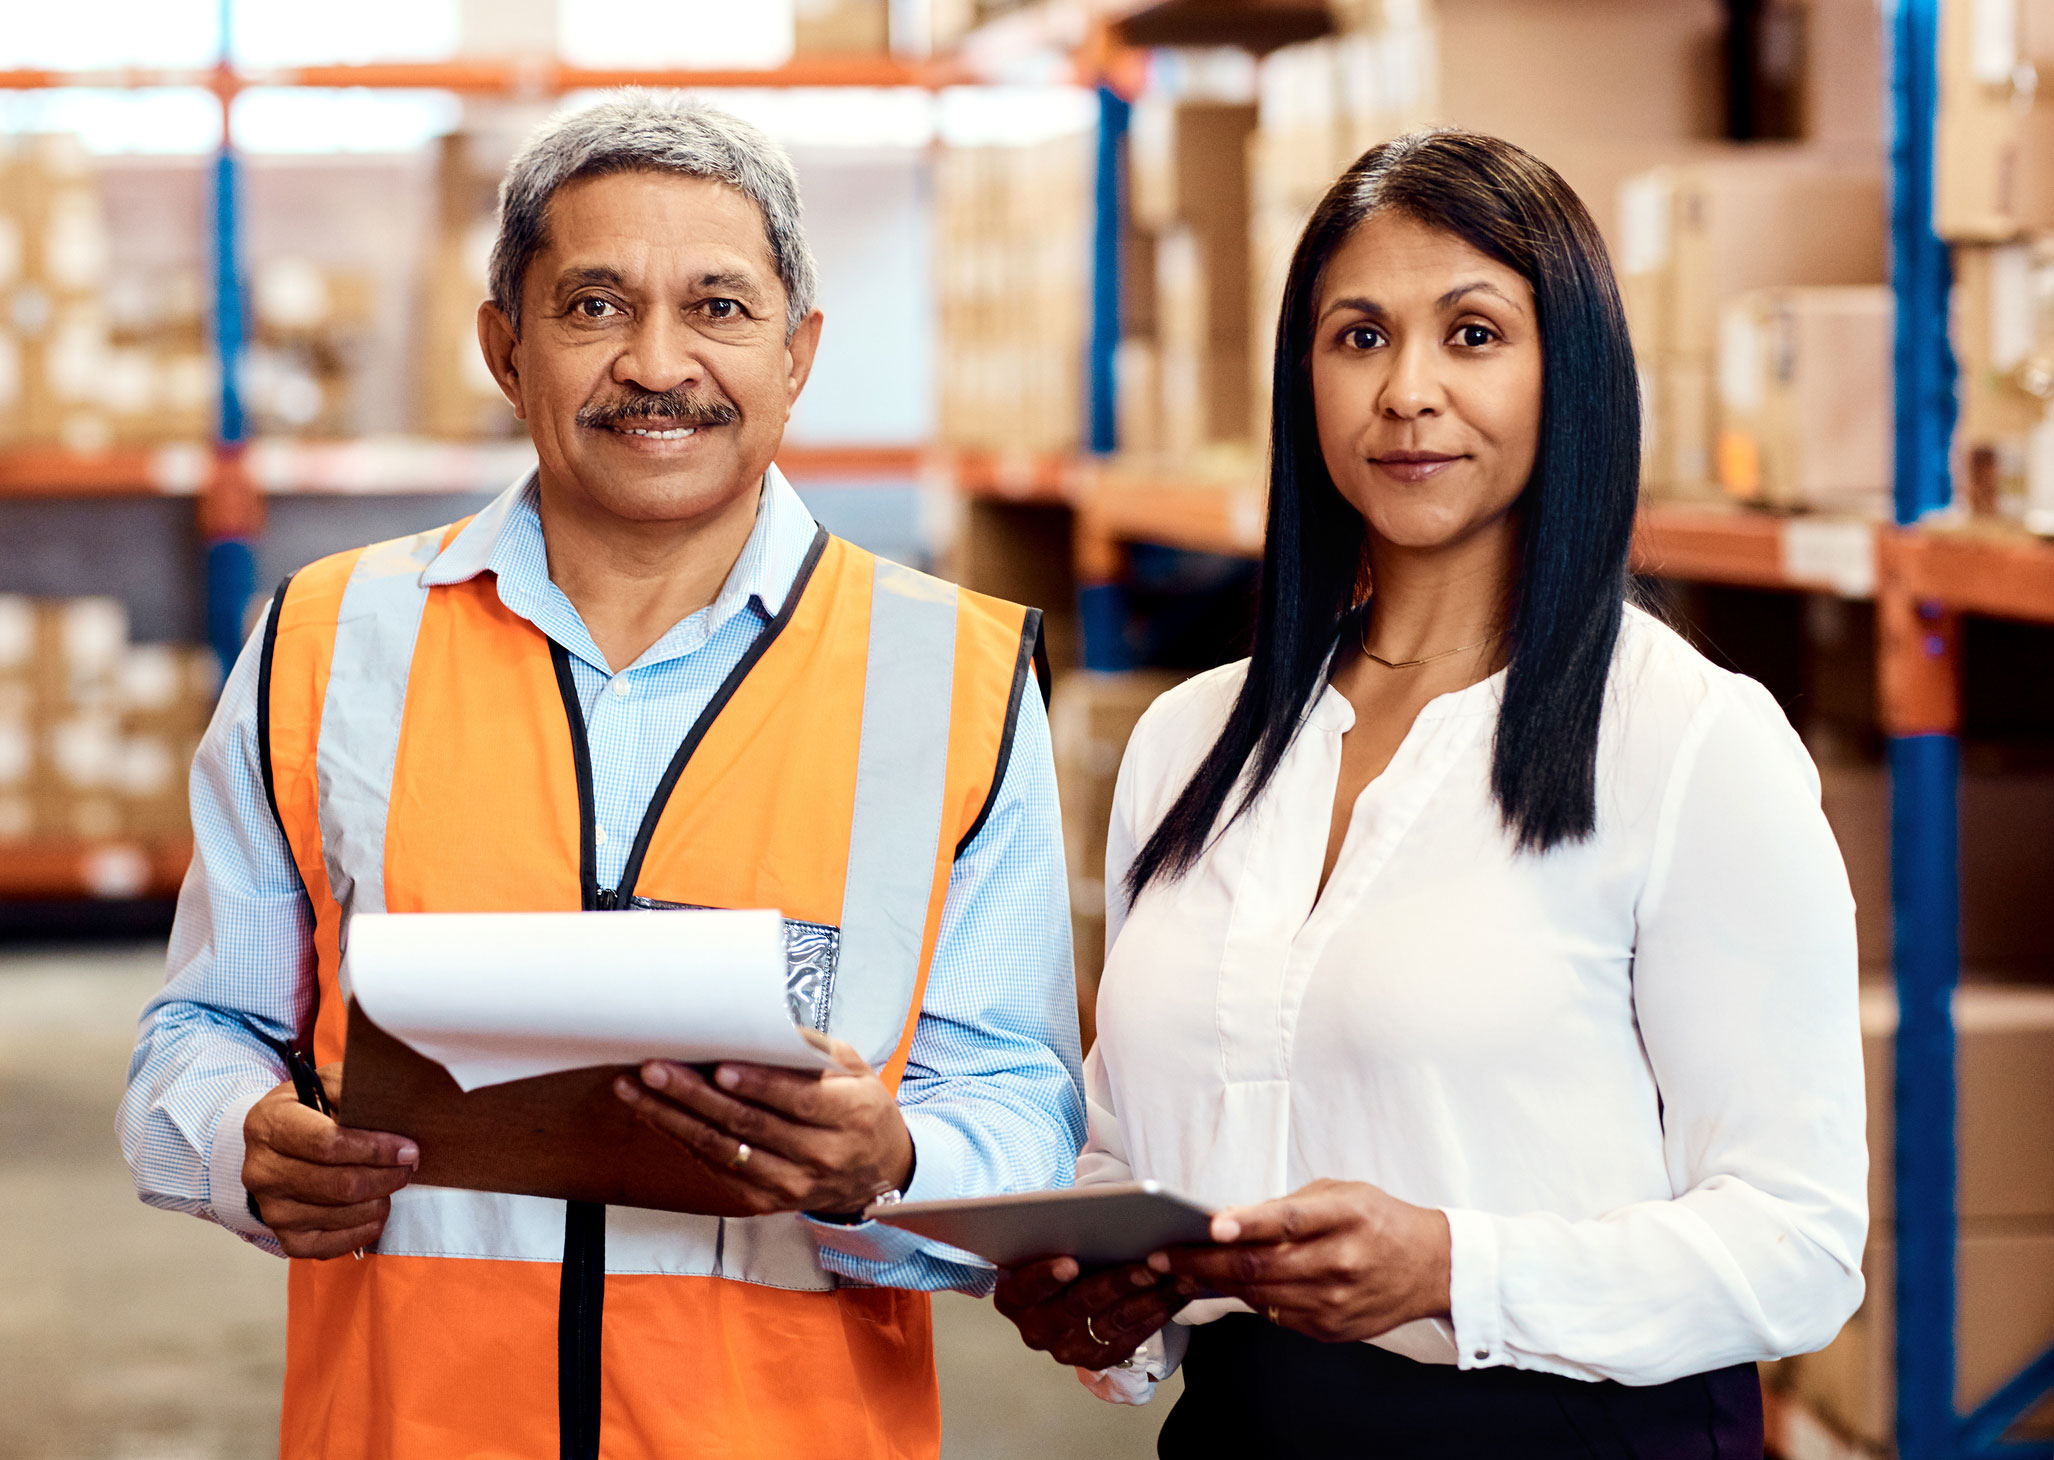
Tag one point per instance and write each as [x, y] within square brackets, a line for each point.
[1629, 1069]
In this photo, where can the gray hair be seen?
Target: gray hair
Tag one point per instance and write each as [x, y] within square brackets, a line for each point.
[641, 131]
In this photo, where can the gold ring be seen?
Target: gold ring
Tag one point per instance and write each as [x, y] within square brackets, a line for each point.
[741, 1156]
[1092, 1334]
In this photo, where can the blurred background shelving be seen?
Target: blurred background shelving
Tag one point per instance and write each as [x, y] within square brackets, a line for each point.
[236, 307]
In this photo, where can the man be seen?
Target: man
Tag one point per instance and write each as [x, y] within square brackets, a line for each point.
[642, 677]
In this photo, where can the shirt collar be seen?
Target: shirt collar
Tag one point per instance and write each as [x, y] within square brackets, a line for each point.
[769, 564]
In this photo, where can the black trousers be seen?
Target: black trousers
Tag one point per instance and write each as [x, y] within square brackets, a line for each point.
[1258, 1392]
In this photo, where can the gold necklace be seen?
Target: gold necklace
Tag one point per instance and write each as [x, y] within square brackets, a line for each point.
[1369, 653]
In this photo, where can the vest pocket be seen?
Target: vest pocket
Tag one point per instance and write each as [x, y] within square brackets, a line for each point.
[811, 952]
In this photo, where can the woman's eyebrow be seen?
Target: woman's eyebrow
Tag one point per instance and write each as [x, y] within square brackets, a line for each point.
[1479, 286]
[1353, 302]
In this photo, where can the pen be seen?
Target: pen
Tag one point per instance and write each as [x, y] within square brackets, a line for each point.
[306, 1084]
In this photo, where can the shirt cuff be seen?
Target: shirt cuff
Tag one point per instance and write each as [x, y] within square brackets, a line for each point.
[937, 1168]
[1134, 1381]
[227, 1199]
[1474, 1302]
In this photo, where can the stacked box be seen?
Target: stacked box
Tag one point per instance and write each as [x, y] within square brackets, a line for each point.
[459, 397]
[160, 381]
[841, 27]
[17, 723]
[1321, 105]
[1694, 236]
[1805, 398]
[2003, 332]
[1013, 255]
[1993, 136]
[1090, 718]
[75, 718]
[2005, 1260]
[96, 734]
[53, 265]
[166, 694]
[1188, 188]
[311, 322]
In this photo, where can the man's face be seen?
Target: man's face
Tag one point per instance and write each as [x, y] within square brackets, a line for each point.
[652, 365]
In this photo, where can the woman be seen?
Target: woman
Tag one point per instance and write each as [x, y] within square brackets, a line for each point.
[1477, 945]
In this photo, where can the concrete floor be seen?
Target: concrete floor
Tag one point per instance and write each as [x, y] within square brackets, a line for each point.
[131, 1334]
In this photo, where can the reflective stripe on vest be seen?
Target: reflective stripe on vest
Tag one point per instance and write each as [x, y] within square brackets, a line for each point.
[901, 770]
[363, 713]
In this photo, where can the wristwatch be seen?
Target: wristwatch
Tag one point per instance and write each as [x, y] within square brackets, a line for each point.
[851, 1219]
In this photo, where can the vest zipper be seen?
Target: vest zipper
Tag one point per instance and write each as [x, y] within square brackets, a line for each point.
[581, 1289]
[581, 1294]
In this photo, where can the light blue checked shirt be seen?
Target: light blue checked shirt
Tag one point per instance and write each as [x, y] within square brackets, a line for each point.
[991, 1092]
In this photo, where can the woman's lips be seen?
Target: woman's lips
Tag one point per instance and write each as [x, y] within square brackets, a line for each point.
[1413, 466]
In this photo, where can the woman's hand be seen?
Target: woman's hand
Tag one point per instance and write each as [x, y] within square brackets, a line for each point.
[1337, 1260]
[1090, 1320]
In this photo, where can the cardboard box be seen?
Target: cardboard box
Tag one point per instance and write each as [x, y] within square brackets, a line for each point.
[1694, 235]
[2004, 1064]
[841, 28]
[1137, 379]
[1205, 395]
[80, 643]
[1020, 551]
[1186, 163]
[2002, 323]
[2005, 1320]
[2007, 863]
[1091, 716]
[459, 398]
[1678, 432]
[1805, 398]
[1993, 136]
[168, 688]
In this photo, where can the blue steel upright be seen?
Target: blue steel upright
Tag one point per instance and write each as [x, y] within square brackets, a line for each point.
[1102, 607]
[1108, 197]
[231, 569]
[1924, 760]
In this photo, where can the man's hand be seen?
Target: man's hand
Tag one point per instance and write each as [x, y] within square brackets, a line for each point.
[1337, 1261]
[323, 1188]
[782, 1140]
[1090, 1321]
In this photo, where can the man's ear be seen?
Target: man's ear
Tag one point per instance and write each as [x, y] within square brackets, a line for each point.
[496, 340]
[799, 352]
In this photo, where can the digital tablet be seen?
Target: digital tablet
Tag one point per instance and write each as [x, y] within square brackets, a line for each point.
[1097, 1225]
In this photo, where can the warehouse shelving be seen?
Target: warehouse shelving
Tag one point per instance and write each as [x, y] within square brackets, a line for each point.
[361, 466]
[115, 868]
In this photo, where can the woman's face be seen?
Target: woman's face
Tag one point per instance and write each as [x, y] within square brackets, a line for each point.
[1426, 383]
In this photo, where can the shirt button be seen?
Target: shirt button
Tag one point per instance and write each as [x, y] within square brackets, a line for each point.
[622, 687]
[599, 836]
[1481, 1354]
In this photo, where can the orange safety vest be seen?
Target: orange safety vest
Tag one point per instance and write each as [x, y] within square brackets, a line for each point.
[424, 752]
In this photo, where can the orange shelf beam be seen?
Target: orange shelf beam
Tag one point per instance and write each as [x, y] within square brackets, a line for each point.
[1203, 517]
[52, 471]
[371, 466]
[1710, 545]
[541, 76]
[1010, 476]
[1997, 576]
[71, 869]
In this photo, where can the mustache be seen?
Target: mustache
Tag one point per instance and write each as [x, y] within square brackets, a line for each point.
[681, 407]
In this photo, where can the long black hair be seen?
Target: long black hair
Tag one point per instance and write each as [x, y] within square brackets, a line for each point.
[1575, 516]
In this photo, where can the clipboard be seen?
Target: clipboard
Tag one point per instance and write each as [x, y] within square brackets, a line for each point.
[563, 1135]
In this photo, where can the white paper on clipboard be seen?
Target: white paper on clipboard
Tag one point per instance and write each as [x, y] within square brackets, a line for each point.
[505, 996]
